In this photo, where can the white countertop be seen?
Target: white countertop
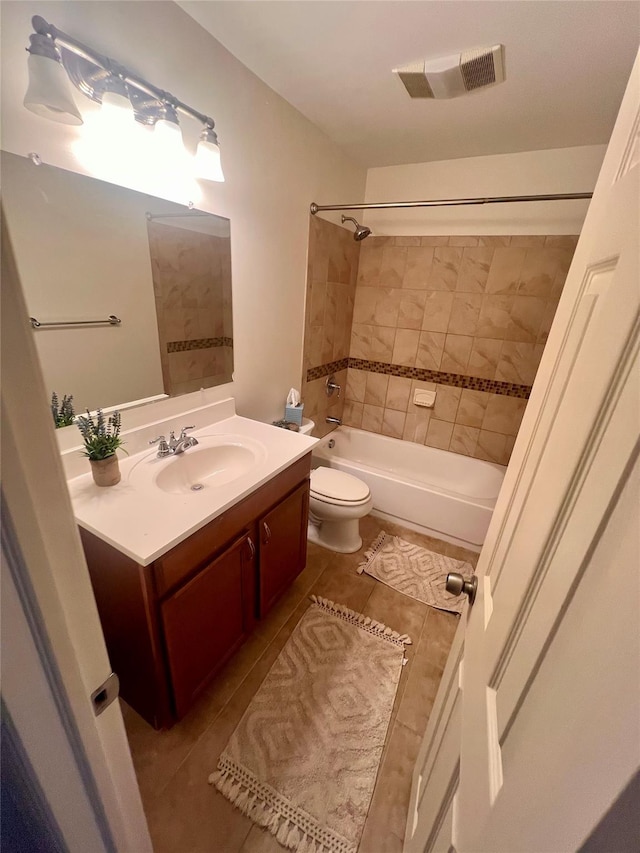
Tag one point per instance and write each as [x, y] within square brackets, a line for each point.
[144, 522]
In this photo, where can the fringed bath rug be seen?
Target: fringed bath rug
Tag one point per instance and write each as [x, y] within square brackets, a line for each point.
[304, 758]
[414, 571]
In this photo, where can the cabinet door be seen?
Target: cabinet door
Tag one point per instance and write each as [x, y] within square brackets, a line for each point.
[207, 619]
[283, 545]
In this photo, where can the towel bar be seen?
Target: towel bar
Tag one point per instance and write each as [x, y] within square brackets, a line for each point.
[111, 320]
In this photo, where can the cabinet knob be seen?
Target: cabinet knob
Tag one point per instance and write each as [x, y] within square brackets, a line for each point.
[267, 533]
[252, 547]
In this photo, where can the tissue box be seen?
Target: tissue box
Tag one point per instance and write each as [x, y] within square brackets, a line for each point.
[293, 414]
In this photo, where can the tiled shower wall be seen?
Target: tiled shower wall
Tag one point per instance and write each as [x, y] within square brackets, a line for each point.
[192, 286]
[331, 285]
[467, 317]
[464, 316]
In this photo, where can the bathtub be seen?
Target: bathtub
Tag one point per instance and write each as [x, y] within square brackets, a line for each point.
[435, 492]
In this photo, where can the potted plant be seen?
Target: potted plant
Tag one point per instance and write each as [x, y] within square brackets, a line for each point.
[101, 440]
[63, 413]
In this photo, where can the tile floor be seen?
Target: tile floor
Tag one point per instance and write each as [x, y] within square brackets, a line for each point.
[186, 815]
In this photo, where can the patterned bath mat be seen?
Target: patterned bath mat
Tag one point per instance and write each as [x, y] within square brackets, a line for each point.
[304, 758]
[414, 571]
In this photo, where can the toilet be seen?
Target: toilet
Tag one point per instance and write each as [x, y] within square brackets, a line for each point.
[337, 502]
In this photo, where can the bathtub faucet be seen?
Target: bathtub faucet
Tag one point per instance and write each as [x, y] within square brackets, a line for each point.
[336, 421]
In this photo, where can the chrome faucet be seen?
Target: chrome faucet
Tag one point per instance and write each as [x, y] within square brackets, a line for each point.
[183, 442]
[336, 421]
[174, 445]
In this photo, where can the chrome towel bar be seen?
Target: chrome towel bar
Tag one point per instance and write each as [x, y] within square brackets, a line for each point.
[111, 320]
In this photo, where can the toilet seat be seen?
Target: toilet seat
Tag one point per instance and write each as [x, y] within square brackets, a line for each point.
[338, 488]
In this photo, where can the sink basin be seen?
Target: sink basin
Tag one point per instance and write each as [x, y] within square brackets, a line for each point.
[215, 461]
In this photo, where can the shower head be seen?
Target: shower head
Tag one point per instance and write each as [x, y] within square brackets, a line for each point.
[361, 230]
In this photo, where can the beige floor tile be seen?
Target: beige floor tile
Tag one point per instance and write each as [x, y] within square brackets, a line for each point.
[388, 811]
[398, 611]
[426, 670]
[375, 842]
[344, 586]
[196, 819]
[157, 755]
[190, 816]
[297, 592]
[261, 841]
[405, 673]
[186, 815]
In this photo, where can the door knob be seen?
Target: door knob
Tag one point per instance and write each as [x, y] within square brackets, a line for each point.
[457, 585]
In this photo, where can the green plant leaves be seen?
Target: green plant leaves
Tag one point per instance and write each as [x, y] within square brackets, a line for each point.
[101, 437]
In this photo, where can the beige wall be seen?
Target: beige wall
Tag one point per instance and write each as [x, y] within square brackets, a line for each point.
[560, 170]
[275, 162]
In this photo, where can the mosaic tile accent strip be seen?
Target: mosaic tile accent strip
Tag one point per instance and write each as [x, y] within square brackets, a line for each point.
[327, 369]
[198, 343]
[457, 380]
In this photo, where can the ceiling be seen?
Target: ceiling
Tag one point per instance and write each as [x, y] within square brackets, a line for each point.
[567, 63]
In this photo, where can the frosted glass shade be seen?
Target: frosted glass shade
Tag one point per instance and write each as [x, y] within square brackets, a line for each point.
[208, 164]
[168, 139]
[49, 93]
[117, 108]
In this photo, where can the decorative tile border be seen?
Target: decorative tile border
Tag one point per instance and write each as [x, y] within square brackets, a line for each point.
[199, 343]
[458, 380]
[327, 369]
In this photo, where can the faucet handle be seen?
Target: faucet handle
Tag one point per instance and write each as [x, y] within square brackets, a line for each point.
[332, 385]
[163, 447]
[183, 431]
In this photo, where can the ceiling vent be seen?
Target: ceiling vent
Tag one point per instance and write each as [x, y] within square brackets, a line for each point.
[454, 75]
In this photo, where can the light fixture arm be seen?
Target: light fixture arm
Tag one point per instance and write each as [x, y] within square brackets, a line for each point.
[42, 27]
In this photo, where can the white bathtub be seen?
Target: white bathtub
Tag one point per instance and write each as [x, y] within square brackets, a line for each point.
[436, 492]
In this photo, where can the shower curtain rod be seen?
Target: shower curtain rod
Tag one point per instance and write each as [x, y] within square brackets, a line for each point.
[448, 202]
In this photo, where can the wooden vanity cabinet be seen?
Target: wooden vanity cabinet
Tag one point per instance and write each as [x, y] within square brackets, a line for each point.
[282, 546]
[170, 626]
[206, 620]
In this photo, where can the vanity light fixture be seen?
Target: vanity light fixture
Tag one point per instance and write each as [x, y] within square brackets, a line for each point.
[49, 93]
[208, 155]
[168, 136]
[121, 93]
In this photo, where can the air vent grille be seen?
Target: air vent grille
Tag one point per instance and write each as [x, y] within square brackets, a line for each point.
[415, 82]
[454, 75]
[478, 69]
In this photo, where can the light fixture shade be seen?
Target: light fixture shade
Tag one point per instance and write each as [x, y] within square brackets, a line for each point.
[49, 93]
[168, 136]
[208, 163]
[116, 108]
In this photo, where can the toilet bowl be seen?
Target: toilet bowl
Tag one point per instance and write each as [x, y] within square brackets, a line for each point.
[337, 502]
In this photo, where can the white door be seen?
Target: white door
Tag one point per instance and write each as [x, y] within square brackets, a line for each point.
[53, 652]
[536, 731]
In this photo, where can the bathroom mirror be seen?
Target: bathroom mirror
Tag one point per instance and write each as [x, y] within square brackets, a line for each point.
[87, 250]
